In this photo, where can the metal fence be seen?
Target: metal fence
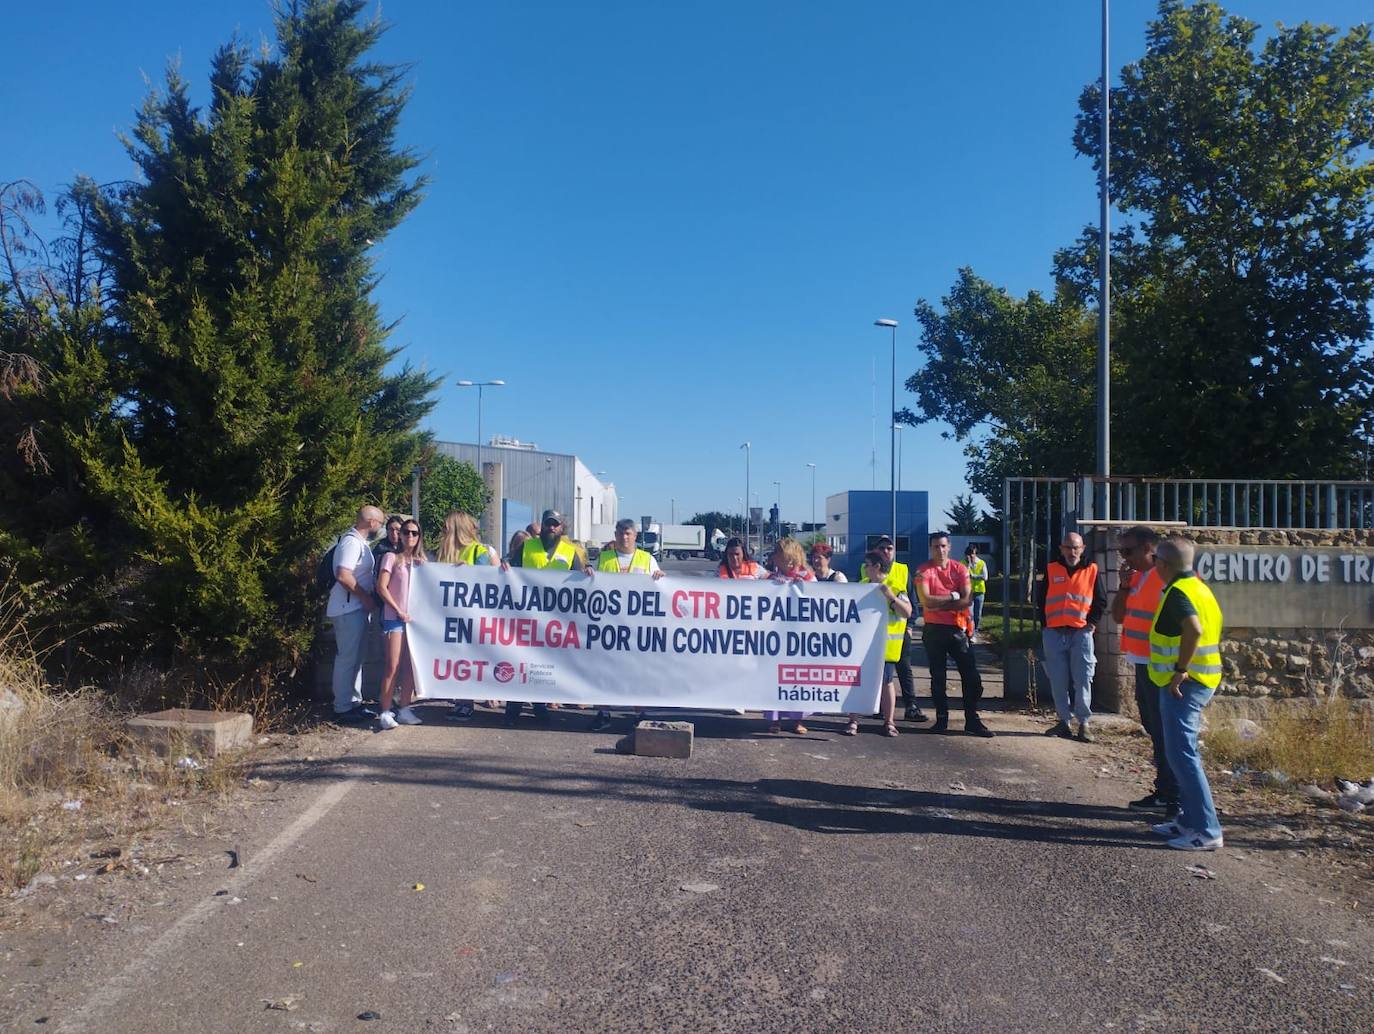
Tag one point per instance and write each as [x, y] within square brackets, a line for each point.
[1037, 511]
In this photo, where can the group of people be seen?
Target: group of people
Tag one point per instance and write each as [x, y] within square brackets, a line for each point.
[1170, 625]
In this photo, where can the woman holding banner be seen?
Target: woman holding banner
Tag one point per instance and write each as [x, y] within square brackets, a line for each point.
[458, 544]
[876, 566]
[789, 565]
[738, 563]
[393, 585]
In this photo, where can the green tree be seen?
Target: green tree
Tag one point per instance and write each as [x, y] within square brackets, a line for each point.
[250, 404]
[1243, 282]
[964, 516]
[449, 484]
[716, 520]
[1011, 376]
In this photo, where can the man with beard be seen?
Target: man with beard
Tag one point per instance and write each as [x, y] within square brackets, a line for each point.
[550, 551]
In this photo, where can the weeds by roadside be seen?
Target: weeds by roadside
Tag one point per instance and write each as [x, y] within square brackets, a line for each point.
[1313, 744]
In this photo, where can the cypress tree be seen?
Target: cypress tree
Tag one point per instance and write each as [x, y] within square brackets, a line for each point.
[255, 403]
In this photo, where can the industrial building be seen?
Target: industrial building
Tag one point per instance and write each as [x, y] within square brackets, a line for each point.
[855, 519]
[527, 481]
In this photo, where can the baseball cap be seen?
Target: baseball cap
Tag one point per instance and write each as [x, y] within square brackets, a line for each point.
[551, 517]
[883, 540]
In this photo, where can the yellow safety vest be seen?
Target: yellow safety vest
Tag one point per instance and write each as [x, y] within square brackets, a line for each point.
[978, 577]
[897, 578]
[610, 561]
[896, 635]
[471, 552]
[533, 555]
[1205, 667]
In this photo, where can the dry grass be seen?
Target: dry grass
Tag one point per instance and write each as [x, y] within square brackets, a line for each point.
[63, 747]
[1312, 744]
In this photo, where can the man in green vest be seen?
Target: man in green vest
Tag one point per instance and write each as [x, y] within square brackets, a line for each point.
[898, 579]
[548, 550]
[624, 558]
[1185, 665]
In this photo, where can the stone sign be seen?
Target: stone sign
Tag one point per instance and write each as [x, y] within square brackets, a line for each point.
[1285, 587]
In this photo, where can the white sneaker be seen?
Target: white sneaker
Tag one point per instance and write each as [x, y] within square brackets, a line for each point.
[386, 720]
[1195, 842]
[1170, 829]
[407, 717]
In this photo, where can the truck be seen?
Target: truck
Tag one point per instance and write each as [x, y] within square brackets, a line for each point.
[679, 541]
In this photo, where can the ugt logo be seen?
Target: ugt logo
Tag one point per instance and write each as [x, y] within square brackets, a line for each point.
[504, 671]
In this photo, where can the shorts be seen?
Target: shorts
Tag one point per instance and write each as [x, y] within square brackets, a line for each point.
[889, 668]
[393, 626]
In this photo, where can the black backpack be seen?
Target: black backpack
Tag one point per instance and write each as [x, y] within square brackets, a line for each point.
[324, 570]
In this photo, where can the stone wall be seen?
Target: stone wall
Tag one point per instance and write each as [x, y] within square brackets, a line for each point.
[1261, 666]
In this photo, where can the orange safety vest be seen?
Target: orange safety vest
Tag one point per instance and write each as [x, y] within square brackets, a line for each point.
[747, 569]
[1069, 597]
[1141, 603]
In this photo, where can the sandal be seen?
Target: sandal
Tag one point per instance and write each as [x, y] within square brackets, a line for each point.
[800, 729]
[890, 729]
[852, 729]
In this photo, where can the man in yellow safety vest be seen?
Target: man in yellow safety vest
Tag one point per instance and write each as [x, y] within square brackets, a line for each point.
[624, 558]
[1185, 663]
[549, 549]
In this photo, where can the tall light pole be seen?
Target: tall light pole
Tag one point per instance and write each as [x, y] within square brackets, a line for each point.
[1104, 301]
[777, 502]
[813, 497]
[748, 520]
[479, 385]
[672, 510]
[892, 419]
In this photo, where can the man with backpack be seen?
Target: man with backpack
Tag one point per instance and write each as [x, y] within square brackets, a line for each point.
[350, 607]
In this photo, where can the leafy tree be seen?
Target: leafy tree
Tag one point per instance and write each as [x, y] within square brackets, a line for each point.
[730, 523]
[449, 484]
[248, 407]
[1242, 283]
[1011, 376]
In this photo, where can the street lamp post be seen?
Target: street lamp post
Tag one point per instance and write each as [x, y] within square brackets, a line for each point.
[777, 505]
[748, 519]
[892, 445]
[479, 385]
[813, 497]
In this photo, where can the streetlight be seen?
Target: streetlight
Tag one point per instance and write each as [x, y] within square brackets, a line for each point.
[813, 497]
[479, 385]
[892, 446]
[748, 519]
[672, 510]
[777, 504]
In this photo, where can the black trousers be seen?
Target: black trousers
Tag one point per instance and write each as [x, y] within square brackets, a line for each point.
[943, 642]
[904, 677]
[1147, 703]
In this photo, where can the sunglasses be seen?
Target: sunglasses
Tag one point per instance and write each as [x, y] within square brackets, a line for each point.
[411, 533]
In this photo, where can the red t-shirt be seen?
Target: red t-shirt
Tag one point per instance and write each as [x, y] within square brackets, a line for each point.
[939, 585]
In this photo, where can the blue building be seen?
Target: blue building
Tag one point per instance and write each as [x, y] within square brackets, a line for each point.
[853, 520]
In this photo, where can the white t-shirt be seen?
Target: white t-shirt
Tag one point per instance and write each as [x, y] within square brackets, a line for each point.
[623, 562]
[351, 554]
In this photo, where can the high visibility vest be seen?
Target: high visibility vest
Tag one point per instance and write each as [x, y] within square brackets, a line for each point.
[897, 578]
[747, 569]
[1141, 603]
[1068, 597]
[1205, 666]
[533, 555]
[471, 552]
[610, 561]
[896, 636]
[978, 577]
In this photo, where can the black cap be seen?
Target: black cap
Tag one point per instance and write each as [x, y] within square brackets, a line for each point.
[552, 516]
[883, 540]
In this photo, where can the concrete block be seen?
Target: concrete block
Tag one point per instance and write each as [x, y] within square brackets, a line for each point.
[663, 739]
[183, 730]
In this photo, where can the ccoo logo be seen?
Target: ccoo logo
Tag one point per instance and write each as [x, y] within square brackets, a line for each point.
[504, 672]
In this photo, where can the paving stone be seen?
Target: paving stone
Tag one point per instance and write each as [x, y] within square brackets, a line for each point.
[663, 739]
[183, 730]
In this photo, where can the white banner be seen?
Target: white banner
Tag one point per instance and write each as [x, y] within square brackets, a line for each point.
[629, 641]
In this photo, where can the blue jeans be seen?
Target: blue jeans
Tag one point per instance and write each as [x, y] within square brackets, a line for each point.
[350, 643]
[1070, 662]
[1181, 720]
[977, 612]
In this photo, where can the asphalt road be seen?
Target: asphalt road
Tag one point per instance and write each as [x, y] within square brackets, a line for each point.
[770, 883]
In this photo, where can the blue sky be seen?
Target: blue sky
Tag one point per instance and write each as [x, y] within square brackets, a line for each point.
[669, 227]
